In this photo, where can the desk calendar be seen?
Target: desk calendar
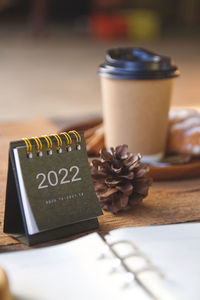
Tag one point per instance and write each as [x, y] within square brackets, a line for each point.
[49, 189]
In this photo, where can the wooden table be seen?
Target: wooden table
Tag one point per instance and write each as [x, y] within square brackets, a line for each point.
[167, 202]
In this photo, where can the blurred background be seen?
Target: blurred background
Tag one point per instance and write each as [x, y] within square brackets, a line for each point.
[50, 51]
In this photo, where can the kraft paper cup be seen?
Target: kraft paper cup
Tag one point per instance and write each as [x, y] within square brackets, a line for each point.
[136, 93]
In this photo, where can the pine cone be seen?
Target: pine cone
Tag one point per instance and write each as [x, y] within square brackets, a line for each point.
[120, 180]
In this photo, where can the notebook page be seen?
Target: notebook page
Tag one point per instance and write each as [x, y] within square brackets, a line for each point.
[174, 250]
[73, 271]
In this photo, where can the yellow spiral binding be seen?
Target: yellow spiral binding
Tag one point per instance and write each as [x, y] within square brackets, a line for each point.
[38, 144]
[48, 139]
[77, 135]
[59, 141]
[28, 146]
[49, 142]
[68, 138]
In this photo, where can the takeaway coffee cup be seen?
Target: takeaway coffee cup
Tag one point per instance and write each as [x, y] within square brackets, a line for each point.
[136, 92]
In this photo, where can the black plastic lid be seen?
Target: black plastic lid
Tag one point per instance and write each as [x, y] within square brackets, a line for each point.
[137, 63]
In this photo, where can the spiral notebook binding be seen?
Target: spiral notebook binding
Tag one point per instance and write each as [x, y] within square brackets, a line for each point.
[134, 274]
[49, 140]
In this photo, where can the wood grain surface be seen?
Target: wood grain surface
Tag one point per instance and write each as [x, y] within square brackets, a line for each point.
[167, 202]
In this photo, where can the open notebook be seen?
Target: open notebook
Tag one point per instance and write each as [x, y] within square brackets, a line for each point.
[155, 262]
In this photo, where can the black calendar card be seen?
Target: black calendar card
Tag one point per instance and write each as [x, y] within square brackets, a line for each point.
[50, 193]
